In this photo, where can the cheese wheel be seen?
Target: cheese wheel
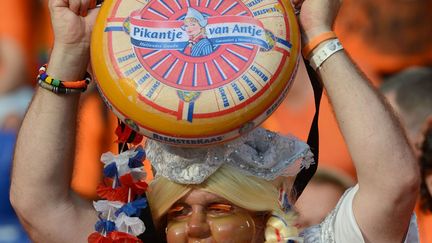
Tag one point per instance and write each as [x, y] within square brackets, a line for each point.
[194, 72]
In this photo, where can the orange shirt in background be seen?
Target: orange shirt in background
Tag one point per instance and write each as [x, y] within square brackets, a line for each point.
[384, 37]
[27, 23]
[333, 151]
[15, 19]
[95, 136]
[45, 36]
[425, 225]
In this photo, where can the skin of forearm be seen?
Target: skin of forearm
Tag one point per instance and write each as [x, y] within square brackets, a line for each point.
[46, 142]
[43, 159]
[42, 172]
[361, 113]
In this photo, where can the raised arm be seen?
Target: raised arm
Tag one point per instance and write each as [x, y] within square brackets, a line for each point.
[387, 171]
[40, 188]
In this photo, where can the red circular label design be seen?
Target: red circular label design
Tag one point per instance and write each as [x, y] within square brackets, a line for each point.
[177, 69]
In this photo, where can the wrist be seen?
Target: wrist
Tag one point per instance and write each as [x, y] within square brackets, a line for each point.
[69, 61]
[311, 33]
[320, 46]
[315, 42]
[323, 52]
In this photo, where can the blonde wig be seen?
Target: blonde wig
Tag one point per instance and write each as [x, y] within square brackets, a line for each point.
[248, 192]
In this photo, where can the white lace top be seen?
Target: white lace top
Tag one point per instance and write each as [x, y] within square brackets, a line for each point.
[340, 225]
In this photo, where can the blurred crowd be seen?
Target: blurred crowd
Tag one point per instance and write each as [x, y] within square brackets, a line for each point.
[390, 41]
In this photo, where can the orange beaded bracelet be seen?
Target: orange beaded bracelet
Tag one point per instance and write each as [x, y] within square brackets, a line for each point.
[309, 47]
[59, 86]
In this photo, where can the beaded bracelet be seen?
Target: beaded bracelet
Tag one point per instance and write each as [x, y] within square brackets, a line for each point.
[61, 87]
[59, 90]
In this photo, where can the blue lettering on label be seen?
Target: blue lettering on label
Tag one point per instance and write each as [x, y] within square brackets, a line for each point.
[187, 141]
[259, 73]
[249, 83]
[275, 105]
[219, 30]
[237, 91]
[143, 79]
[153, 89]
[254, 2]
[125, 58]
[148, 34]
[133, 69]
[224, 97]
[251, 30]
[264, 11]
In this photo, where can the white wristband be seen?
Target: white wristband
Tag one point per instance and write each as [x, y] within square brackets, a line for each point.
[324, 52]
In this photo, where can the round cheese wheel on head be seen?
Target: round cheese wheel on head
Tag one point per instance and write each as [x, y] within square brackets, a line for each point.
[194, 72]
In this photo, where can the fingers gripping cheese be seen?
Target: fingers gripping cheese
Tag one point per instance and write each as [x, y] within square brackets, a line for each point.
[194, 72]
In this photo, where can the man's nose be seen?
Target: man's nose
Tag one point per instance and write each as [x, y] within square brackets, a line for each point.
[198, 226]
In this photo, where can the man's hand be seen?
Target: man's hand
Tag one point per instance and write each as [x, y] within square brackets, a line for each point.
[316, 16]
[72, 22]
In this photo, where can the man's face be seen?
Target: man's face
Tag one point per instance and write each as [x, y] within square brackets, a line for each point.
[205, 217]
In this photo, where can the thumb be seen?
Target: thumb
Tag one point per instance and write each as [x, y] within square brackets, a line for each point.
[92, 16]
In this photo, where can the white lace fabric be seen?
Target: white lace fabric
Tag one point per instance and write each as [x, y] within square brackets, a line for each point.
[260, 153]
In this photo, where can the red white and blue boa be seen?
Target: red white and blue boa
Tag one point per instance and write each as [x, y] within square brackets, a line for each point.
[122, 197]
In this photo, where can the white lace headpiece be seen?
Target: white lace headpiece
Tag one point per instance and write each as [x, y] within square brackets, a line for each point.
[260, 153]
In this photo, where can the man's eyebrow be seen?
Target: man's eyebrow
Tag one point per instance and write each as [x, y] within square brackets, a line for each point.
[220, 201]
